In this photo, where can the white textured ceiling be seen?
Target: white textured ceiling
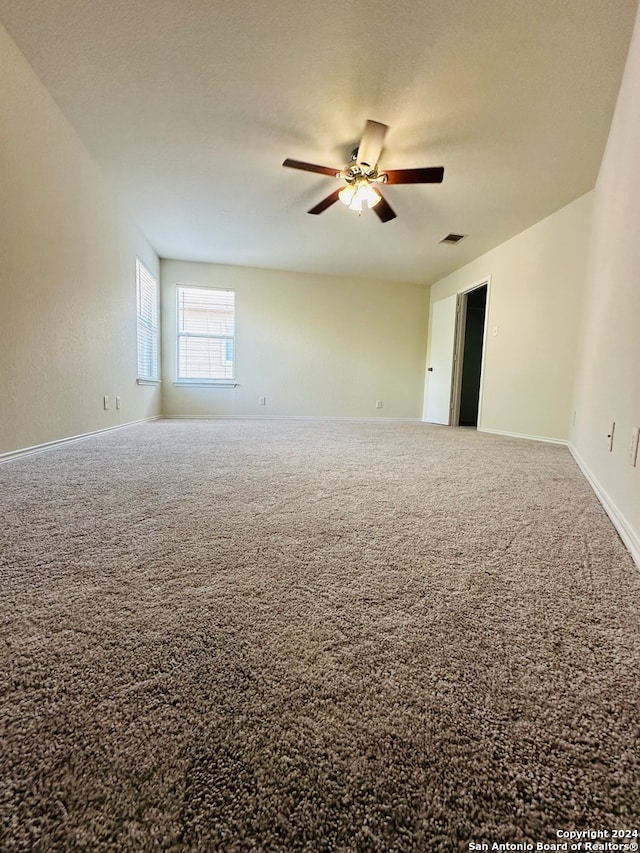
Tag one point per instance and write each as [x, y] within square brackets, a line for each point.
[192, 105]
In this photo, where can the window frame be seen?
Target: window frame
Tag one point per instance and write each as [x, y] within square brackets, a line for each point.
[222, 382]
[147, 325]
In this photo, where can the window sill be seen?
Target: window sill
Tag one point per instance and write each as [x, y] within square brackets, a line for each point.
[206, 383]
[148, 381]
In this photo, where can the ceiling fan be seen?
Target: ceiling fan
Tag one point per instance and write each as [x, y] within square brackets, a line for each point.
[362, 176]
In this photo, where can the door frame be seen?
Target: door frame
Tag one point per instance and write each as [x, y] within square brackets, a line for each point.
[458, 354]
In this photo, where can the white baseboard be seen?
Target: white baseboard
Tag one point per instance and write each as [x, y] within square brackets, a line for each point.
[626, 532]
[49, 445]
[309, 418]
[543, 438]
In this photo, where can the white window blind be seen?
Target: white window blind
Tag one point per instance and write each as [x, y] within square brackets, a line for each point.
[147, 324]
[206, 330]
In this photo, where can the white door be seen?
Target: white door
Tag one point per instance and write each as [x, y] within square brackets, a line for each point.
[437, 405]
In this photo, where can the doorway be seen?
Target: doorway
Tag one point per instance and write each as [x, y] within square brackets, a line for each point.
[470, 347]
[453, 386]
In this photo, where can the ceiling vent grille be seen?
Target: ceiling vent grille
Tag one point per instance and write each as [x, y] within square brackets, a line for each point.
[452, 239]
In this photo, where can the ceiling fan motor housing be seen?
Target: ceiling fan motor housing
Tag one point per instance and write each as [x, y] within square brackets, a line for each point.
[355, 171]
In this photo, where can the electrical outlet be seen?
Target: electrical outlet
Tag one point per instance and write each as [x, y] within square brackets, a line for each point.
[610, 435]
[378, 404]
[633, 445]
[262, 401]
[105, 401]
[118, 403]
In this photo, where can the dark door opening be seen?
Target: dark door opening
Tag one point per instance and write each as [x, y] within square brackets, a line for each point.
[476, 305]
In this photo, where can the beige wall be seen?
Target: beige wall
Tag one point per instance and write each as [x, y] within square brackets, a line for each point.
[312, 345]
[608, 381]
[535, 302]
[67, 276]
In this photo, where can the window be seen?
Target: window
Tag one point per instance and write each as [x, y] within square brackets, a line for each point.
[147, 317]
[206, 320]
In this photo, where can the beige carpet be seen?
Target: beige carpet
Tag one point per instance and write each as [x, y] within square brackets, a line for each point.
[305, 636]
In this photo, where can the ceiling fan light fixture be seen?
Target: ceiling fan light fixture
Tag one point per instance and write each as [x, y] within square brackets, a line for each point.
[359, 193]
[347, 194]
[369, 194]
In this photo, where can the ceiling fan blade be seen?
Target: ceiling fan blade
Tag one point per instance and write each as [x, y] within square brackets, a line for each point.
[430, 175]
[372, 142]
[326, 202]
[311, 167]
[384, 210]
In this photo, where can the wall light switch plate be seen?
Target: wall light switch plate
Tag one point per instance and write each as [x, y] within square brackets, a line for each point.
[610, 435]
[105, 401]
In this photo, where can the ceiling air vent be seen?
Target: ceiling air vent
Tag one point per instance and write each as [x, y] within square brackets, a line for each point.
[452, 239]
